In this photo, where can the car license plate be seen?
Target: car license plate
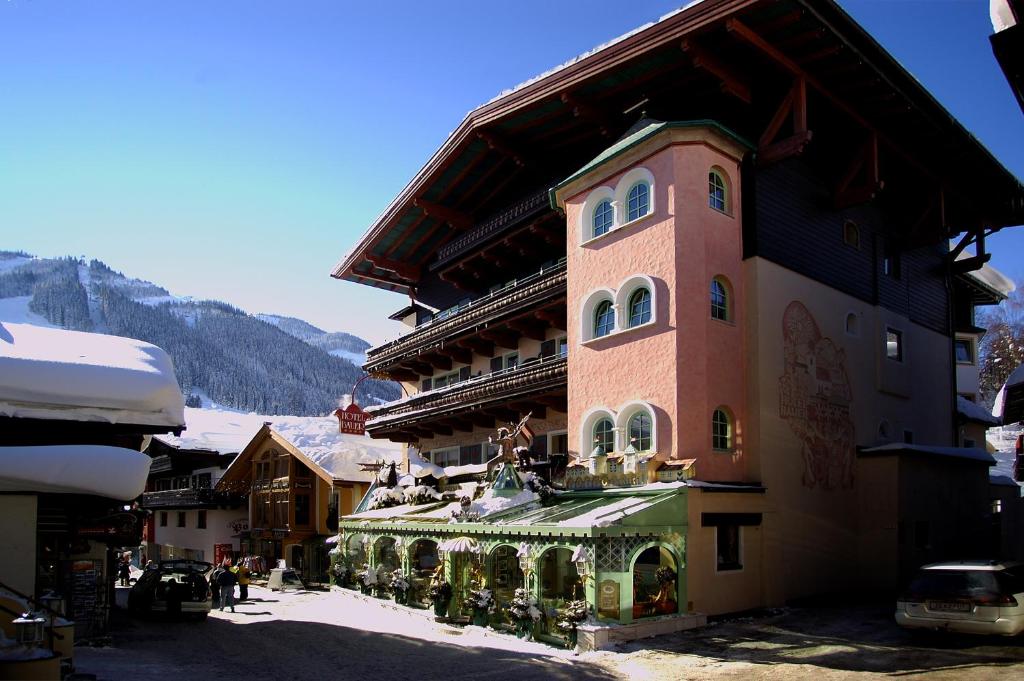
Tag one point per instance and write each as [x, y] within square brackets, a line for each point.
[949, 606]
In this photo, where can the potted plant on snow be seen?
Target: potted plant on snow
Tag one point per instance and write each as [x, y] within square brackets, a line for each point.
[523, 610]
[400, 587]
[576, 611]
[367, 578]
[440, 594]
[481, 600]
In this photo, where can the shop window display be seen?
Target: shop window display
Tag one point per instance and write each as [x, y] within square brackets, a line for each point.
[386, 555]
[423, 561]
[506, 576]
[559, 583]
[655, 583]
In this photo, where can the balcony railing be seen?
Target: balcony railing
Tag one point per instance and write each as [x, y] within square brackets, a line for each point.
[187, 498]
[533, 377]
[522, 294]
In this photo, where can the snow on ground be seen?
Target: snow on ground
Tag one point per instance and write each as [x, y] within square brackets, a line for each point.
[1004, 440]
[16, 310]
[13, 263]
[315, 436]
[71, 375]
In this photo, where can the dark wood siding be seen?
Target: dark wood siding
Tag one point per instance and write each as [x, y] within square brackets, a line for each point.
[795, 225]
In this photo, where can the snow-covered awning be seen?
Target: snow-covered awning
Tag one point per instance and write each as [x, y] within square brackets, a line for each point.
[970, 453]
[112, 472]
[74, 376]
[972, 411]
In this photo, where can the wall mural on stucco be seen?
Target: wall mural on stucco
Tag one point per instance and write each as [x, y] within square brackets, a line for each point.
[814, 399]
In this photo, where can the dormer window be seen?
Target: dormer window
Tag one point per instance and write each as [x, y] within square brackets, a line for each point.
[603, 219]
[638, 201]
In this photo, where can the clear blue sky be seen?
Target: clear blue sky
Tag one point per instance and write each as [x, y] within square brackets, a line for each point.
[236, 150]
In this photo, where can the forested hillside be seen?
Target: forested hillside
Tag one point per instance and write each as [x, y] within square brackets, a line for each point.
[234, 358]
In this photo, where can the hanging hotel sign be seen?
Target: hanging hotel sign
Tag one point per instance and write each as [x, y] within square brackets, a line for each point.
[351, 420]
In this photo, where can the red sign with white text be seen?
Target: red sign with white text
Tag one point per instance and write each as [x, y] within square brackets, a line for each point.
[351, 420]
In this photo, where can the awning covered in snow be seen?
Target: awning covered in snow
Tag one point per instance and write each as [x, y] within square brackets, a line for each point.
[74, 376]
[112, 472]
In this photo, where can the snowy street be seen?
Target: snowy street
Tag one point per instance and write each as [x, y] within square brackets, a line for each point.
[315, 635]
[334, 635]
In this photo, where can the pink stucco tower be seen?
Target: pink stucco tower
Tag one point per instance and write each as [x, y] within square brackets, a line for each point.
[656, 300]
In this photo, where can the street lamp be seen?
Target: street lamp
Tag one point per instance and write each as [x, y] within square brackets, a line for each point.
[525, 555]
[579, 557]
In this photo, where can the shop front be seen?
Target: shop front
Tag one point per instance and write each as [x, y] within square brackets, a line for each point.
[620, 551]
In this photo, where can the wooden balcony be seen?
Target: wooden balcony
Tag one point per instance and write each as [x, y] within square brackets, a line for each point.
[482, 401]
[527, 307]
[189, 498]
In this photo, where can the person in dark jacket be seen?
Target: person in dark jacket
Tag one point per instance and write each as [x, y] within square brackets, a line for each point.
[215, 587]
[227, 580]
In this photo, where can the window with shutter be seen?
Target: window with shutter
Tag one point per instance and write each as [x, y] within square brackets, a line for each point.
[547, 348]
[497, 363]
[464, 374]
[426, 385]
[539, 449]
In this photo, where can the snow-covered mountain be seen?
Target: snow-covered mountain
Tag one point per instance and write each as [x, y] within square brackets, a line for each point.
[265, 363]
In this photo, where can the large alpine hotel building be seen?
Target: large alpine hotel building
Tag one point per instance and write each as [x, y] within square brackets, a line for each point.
[712, 255]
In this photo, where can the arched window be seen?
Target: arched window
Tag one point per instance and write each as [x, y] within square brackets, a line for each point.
[655, 583]
[638, 201]
[604, 319]
[721, 430]
[852, 324]
[604, 217]
[640, 431]
[604, 435]
[717, 191]
[640, 307]
[719, 300]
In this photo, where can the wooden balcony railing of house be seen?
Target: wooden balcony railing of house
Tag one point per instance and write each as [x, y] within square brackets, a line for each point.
[459, 331]
[189, 498]
[480, 401]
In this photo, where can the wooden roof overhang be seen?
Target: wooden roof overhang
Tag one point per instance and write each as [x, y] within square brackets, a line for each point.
[799, 76]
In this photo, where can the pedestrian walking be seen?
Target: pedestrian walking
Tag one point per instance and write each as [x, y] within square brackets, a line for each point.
[227, 581]
[242, 572]
[124, 572]
[215, 587]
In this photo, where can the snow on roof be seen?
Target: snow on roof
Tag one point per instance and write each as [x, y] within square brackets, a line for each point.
[315, 436]
[421, 468]
[112, 472]
[1015, 383]
[989, 276]
[55, 374]
[1002, 480]
[975, 412]
[971, 453]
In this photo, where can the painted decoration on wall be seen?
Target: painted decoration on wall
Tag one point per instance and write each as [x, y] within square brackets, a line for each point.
[814, 398]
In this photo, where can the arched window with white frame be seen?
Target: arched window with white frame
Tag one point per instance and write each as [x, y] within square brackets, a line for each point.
[604, 319]
[638, 201]
[602, 219]
[604, 435]
[721, 430]
[640, 430]
[720, 299]
[597, 427]
[637, 424]
[718, 190]
[639, 307]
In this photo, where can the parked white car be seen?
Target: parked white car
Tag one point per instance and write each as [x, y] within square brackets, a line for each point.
[973, 597]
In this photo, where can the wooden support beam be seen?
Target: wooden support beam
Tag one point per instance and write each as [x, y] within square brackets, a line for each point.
[455, 218]
[536, 412]
[732, 82]
[403, 270]
[484, 348]
[782, 21]
[421, 368]
[818, 55]
[460, 355]
[462, 425]
[585, 111]
[481, 420]
[530, 329]
[422, 433]
[559, 403]
[439, 362]
[501, 338]
[782, 112]
[441, 429]
[554, 317]
[396, 436]
[969, 264]
[791, 146]
[865, 165]
[403, 375]
[503, 415]
[495, 142]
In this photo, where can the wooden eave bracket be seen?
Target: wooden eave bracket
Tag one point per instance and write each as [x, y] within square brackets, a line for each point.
[732, 82]
[496, 143]
[864, 165]
[401, 269]
[793, 106]
[455, 218]
[583, 110]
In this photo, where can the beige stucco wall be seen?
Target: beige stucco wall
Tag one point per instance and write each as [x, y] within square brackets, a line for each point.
[18, 530]
[807, 460]
[712, 592]
[219, 530]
